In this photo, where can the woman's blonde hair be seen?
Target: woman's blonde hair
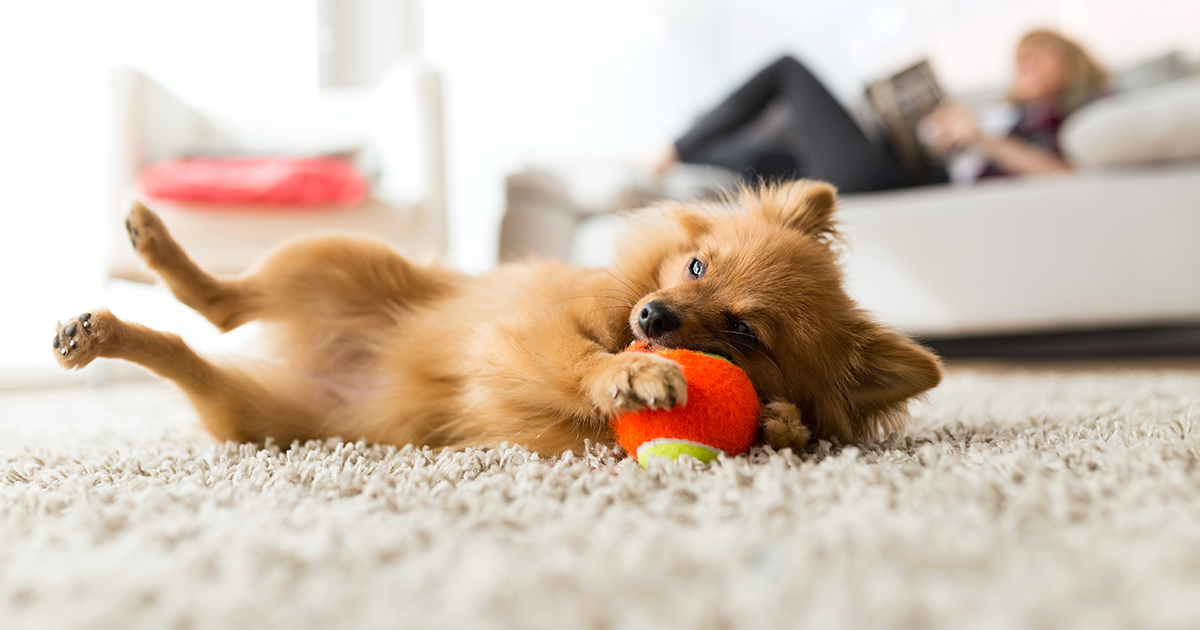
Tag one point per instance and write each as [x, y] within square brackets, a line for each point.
[1085, 77]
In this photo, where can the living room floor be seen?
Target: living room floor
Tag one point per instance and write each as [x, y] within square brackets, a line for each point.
[1047, 495]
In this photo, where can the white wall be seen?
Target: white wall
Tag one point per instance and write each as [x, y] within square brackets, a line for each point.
[547, 81]
[359, 40]
[526, 80]
[53, 61]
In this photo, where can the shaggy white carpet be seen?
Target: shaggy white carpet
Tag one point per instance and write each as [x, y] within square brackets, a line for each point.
[1018, 500]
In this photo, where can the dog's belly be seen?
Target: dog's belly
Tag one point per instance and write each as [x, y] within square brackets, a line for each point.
[351, 386]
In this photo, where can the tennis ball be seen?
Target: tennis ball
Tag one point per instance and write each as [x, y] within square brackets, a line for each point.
[721, 414]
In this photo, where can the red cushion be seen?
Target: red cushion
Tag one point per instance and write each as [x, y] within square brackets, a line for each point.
[279, 182]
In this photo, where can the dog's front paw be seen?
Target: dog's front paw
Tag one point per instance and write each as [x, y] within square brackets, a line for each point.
[782, 428]
[638, 380]
[79, 341]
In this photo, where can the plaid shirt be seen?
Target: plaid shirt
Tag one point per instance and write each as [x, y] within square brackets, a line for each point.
[1038, 125]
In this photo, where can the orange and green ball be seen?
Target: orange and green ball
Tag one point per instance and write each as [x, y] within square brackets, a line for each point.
[721, 414]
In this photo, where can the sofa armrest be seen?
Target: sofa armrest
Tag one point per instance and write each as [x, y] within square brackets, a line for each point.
[544, 207]
[542, 212]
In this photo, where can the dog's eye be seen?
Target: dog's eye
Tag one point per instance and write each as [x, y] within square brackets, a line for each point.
[744, 331]
[696, 268]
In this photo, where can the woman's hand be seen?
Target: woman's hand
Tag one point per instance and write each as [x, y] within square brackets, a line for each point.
[952, 125]
[949, 126]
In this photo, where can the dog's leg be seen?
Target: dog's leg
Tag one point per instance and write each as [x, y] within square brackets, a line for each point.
[540, 383]
[782, 428]
[352, 283]
[234, 403]
[222, 302]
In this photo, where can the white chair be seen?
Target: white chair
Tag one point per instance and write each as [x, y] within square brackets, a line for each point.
[394, 129]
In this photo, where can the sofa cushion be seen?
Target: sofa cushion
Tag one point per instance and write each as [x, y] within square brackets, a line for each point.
[1157, 70]
[282, 183]
[1160, 124]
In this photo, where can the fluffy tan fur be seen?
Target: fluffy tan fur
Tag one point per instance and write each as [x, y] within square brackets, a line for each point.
[370, 346]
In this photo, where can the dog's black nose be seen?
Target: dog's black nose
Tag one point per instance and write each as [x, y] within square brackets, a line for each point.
[656, 320]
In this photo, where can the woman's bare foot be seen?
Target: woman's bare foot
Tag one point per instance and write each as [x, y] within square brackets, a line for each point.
[661, 164]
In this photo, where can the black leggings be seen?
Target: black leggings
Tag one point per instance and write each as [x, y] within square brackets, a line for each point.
[783, 124]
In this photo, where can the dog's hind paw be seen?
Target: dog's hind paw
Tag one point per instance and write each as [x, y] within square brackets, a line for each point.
[78, 342]
[147, 234]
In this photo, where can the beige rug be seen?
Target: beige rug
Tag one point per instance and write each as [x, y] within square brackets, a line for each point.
[1019, 500]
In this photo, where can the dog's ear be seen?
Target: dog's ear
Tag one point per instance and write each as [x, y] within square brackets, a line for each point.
[693, 224]
[804, 205]
[891, 368]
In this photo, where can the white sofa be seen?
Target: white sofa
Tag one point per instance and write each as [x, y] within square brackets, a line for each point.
[1099, 249]
[1113, 246]
[394, 130]
[1102, 248]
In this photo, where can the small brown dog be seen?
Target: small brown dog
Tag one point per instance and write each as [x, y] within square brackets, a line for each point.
[370, 346]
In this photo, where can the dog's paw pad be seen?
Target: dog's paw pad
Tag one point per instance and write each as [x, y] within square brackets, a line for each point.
[145, 230]
[132, 232]
[76, 343]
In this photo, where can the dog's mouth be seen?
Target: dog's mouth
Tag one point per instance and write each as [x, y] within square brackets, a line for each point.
[671, 345]
[656, 323]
